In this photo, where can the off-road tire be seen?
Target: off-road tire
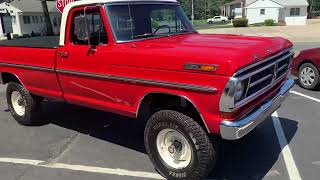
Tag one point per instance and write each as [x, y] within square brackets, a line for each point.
[316, 82]
[32, 105]
[204, 152]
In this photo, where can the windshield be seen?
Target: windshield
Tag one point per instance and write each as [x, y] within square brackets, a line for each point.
[139, 21]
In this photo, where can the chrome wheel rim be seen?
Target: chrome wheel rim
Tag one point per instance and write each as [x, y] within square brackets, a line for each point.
[18, 103]
[174, 148]
[307, 76]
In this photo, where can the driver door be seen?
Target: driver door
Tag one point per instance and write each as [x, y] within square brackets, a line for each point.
[83, 61]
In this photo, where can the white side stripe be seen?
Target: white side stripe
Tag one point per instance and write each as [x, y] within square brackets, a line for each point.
[305, 96]
[286, 152]
[119, 172]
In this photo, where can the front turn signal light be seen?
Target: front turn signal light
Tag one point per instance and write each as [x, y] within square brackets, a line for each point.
[201, 67]
[209, 68]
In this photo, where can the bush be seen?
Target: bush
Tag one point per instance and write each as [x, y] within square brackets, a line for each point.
[15, 36]
[269, 22]
[240, 22]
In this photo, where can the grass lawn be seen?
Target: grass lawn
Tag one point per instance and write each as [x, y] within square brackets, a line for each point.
[202, 24]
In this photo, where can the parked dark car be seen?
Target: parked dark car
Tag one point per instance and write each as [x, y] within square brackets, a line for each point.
[306, 67]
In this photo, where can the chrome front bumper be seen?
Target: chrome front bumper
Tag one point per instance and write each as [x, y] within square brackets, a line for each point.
[236, 129]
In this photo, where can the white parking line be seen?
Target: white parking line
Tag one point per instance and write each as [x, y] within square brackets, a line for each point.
[286, 152]
[21, 161]
[317, 163]
[119, 172]
[305, 96]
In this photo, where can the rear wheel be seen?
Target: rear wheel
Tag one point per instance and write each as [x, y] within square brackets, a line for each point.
[178, 146]
[24, 107]
[223, 21]
[308, 76]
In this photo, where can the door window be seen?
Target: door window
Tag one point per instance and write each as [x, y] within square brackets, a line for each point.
[96, 29]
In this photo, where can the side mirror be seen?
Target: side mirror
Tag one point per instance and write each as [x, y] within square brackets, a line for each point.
[80, 28]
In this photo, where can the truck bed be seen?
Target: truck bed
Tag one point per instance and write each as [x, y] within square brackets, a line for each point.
[33, 42]
[34, 66]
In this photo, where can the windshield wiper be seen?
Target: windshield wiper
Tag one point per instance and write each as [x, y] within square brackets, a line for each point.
[148, 35]
[144, 35]
[185, 31]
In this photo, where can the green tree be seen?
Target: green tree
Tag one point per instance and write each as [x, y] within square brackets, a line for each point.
[47, 17]
[314, 5]
[203, 9]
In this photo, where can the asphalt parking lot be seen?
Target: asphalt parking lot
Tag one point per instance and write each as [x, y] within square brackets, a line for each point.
[79, 143]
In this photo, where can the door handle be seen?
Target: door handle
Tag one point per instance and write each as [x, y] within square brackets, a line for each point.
[64, 54]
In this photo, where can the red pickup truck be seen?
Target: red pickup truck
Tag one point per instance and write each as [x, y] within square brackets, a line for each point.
[143, 59]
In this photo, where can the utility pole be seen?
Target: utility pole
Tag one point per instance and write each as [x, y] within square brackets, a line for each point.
[192, 12]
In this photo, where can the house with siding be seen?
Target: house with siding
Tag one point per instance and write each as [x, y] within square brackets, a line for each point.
[290, 12]
[26, 16]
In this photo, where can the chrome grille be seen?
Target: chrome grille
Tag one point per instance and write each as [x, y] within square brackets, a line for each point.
[262, 76]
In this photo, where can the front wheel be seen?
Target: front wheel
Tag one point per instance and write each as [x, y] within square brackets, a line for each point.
[24, 107]
[178, 146]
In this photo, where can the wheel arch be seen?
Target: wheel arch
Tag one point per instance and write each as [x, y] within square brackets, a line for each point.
[6, 77]
[306, 61]
[180, 101]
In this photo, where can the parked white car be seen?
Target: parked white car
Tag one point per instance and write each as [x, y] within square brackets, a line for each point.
[217, 19]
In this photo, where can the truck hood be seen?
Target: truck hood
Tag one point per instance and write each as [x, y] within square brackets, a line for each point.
[229, 52]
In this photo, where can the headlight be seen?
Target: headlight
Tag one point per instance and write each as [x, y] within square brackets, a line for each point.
[238, 91]
[233, 93]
